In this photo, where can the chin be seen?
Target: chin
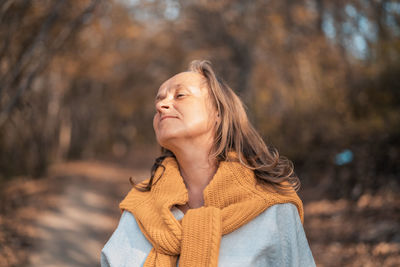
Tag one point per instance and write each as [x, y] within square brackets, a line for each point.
[166, 141]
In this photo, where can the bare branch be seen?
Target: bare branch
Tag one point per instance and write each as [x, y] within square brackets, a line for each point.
[60, 40]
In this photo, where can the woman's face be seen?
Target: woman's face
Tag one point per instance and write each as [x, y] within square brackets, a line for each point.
[184, 111]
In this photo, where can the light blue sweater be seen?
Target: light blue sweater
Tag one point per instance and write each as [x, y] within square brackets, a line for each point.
[276, 237]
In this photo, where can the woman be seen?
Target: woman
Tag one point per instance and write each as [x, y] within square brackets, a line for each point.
[217, 196]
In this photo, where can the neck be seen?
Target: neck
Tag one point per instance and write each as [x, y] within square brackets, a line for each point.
[197, 170]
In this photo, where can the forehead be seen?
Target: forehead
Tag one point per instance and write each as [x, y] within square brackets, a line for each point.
[183, 79]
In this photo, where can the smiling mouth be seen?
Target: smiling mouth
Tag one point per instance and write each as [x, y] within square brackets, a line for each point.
[167, 117]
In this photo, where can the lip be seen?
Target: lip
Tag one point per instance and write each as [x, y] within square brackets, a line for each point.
[166, 117]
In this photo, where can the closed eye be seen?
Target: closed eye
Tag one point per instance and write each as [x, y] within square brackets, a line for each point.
[179, 95]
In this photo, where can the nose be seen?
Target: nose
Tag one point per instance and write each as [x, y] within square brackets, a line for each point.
[163, 104]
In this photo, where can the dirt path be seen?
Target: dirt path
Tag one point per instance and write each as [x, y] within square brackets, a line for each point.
[79, 219]
[66, 218]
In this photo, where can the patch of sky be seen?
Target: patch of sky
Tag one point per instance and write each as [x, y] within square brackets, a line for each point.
[358, 30]
[141, 12]
[328, 26]
[136, 11]
[367, 29]
[393, 7]
[172, 9]
[359, 46]
[359, 23]
[350, 11]
[130, 3]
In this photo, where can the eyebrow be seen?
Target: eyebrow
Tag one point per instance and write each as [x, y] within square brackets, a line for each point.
[177, 86]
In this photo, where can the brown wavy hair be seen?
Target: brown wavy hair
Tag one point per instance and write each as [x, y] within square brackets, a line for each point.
[236, 133]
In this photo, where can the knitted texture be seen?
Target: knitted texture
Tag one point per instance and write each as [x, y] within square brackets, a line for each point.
[231, 199]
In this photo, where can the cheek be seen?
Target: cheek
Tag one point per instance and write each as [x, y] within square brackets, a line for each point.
[156, 126]
[155, 122]
[209, 113]
[201, 118]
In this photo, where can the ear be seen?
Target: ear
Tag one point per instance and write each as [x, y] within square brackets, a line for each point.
[218, 120]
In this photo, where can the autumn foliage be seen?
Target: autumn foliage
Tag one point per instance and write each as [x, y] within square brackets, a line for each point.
[319, 78]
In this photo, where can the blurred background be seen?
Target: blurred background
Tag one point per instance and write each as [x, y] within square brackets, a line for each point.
[320, 80]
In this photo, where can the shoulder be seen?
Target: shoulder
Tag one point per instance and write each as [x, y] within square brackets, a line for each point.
[285, 219]
[127, 229]
[126, 244]
[286, 212]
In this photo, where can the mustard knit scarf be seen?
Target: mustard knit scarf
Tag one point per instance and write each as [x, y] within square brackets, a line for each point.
[231, 200]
